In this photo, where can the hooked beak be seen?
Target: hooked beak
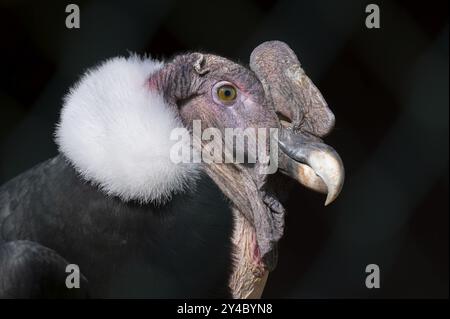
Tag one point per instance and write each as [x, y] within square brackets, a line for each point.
[295, 98]
[312, 163]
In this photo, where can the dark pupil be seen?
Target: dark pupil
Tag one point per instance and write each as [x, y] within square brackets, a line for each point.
[227, 92]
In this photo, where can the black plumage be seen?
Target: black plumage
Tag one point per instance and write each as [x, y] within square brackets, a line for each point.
[124, 249]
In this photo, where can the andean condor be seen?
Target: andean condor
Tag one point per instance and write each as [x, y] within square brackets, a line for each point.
[139, 224]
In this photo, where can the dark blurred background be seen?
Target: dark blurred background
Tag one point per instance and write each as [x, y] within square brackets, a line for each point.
[388, 88]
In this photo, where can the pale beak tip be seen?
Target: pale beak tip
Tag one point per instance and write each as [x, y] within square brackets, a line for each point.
[333, 193]
[329, 200]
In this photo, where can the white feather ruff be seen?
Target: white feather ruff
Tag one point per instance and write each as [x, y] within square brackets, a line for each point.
[116, 133]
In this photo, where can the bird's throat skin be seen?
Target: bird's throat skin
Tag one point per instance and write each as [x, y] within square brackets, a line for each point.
[250, 265]
[249, 274]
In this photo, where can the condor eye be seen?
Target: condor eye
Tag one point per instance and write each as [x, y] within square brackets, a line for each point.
[225, 93]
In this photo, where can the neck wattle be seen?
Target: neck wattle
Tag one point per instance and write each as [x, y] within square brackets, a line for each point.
[249, 273]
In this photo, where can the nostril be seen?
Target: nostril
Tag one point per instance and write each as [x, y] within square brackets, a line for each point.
[284, 120]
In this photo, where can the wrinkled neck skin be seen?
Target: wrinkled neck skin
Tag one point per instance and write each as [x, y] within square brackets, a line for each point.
[258, 224]
[249, 273]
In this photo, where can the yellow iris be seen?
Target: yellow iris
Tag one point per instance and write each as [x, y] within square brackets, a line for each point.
[226, 93]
